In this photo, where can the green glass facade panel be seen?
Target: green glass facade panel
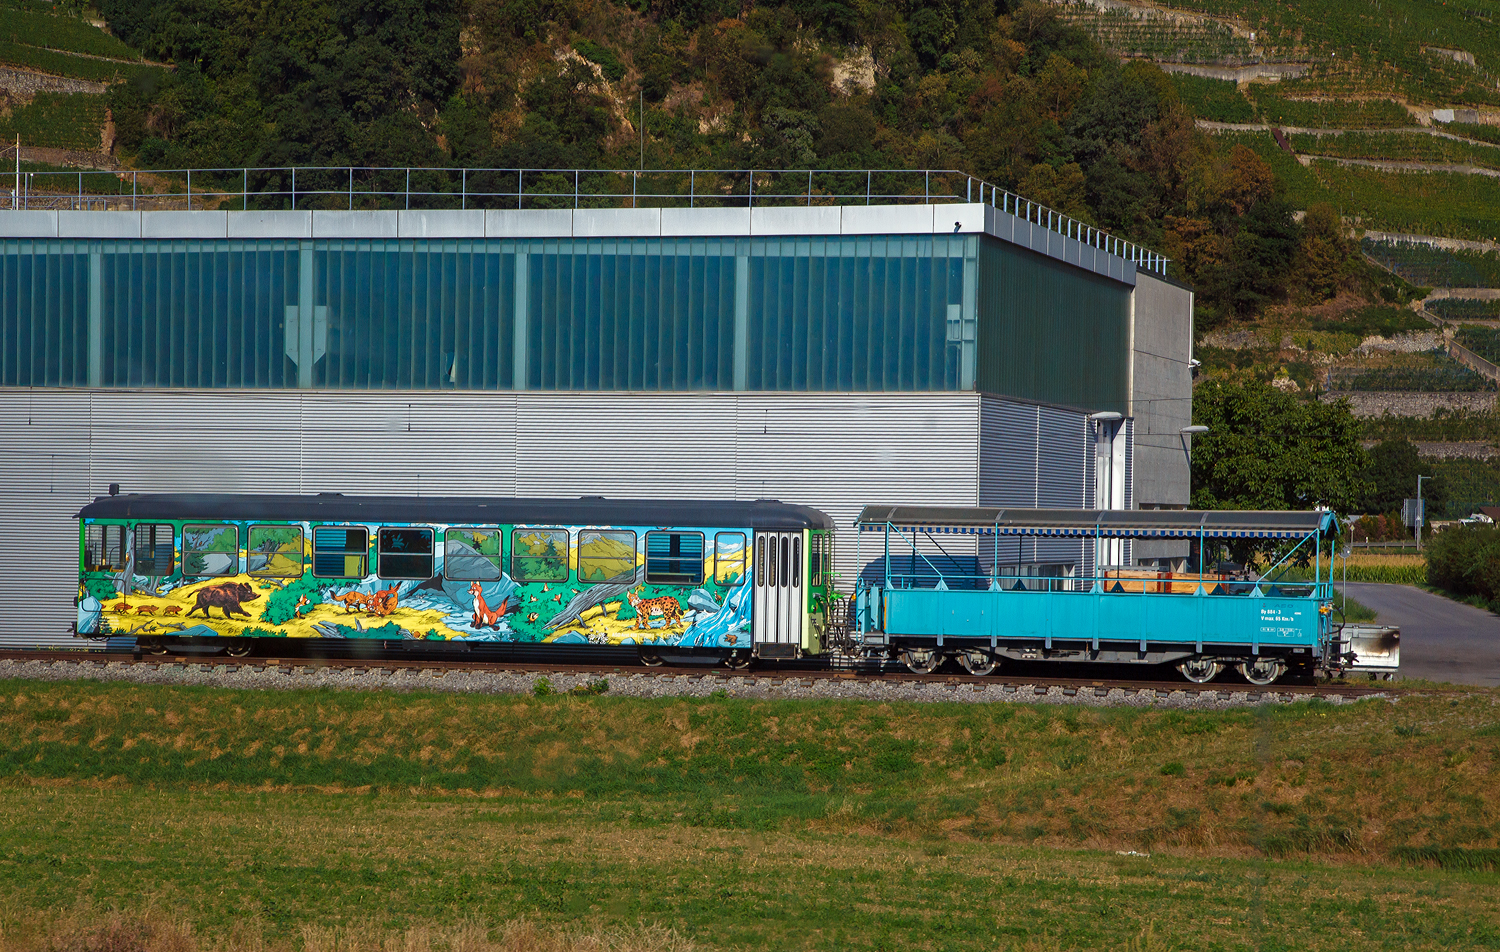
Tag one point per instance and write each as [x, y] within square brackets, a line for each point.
[197, 314]
[1051, 332]
[405, 315]
[631, 315]
[43, 314]
[856, 313]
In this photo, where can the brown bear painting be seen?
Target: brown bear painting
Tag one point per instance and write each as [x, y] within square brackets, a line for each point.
[225, 596]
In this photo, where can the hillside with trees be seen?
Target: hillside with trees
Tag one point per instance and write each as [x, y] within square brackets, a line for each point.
[1095, 111]
[1016, 95]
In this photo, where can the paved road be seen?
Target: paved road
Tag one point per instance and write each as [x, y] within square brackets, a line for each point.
[1441, 640]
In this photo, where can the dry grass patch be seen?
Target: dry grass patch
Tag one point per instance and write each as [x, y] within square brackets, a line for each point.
[85, 930]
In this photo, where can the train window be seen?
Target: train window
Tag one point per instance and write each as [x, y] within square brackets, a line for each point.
[153, 549]
[796, 561]
[767, 560]
[405, 552]
[103, 548]
[606, 555]
[210, 550]
[539, 555]
[815, 559]
[340, 551]
[674, 558]
[274, 551]
[472, 555]
[784, 575]
[729, 558]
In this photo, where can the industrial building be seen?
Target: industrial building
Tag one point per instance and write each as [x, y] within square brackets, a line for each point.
[832, 355]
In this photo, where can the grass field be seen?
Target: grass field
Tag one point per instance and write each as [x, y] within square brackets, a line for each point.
[1398, 146]
[73, 34]
[57, 120]
[1384, 47]
[748, 824]
[1216, 99]
[1272, 106]
[1435, 267]
[1448, 204]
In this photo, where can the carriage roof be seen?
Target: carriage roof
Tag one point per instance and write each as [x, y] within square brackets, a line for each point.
[458, 510]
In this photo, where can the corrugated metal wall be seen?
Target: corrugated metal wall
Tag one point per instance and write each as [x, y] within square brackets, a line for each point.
[1035, 456]
[838, 452]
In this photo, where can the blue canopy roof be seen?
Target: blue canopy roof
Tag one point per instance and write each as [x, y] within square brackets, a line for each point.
[1131, 523]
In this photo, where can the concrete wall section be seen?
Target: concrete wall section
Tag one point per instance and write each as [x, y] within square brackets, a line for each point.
[835, 451]
[1161, 403]
[1161, 390]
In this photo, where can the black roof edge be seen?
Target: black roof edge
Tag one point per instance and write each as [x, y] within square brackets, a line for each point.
[457, 510]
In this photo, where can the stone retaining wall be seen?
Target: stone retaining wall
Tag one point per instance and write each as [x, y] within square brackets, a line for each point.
[24, 85]
[1375, 403]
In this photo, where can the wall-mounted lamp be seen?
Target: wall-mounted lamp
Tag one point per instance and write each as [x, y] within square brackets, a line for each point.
[1106, 416]
[1186, 432]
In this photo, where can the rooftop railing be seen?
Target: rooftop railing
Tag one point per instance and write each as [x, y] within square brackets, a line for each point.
[355, 188]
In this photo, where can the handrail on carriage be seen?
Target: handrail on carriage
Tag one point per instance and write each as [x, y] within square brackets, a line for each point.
[1100, 525]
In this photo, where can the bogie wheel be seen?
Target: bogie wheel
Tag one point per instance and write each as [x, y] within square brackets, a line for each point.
[1200, 670]
[1262, 671]
[650, 658]
[239, 648]
[738, 660]
[153, 646]
[977, 662]
[921, 660]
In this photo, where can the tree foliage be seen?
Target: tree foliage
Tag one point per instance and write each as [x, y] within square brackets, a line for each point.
[1393, 471]
[1004, 89]
[1265, 449]
[1465, 561]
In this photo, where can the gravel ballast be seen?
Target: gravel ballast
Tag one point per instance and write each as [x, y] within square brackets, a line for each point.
[640, 684]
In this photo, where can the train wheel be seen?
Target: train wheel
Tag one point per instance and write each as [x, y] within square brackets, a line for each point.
[921, 660]
[1262, 672]
[1200, 670]
[650, 658]
[152, 645]
[239, 647]
[738, 659]
[978, 663]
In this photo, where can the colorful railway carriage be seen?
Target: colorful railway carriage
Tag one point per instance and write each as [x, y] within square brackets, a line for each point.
[922, 604]
[710, 579]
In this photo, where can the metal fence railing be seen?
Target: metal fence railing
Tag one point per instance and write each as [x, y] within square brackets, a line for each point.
[352, 188]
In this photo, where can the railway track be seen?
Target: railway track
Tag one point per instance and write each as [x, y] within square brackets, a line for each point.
[1012, 680]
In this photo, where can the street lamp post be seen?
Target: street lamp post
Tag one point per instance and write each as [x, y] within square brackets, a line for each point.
[1421, 511]
[1186, 434]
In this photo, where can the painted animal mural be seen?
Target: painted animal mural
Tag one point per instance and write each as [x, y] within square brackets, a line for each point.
[669, 608]
[228, 597]
[484, 615]
[568, 586]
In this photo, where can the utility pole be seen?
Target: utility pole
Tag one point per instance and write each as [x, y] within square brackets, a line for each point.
[15, 199]
[1421, 511]
[642, 94]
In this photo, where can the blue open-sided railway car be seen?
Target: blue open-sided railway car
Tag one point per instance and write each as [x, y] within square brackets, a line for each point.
[923, 605]
[672, 578]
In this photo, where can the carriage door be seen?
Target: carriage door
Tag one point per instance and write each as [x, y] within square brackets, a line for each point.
[778, 593]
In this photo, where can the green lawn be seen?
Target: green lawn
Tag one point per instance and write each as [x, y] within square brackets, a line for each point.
[748, 824]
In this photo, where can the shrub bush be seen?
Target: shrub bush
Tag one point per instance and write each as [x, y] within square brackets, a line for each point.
[1466, 562]
[609, 63]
